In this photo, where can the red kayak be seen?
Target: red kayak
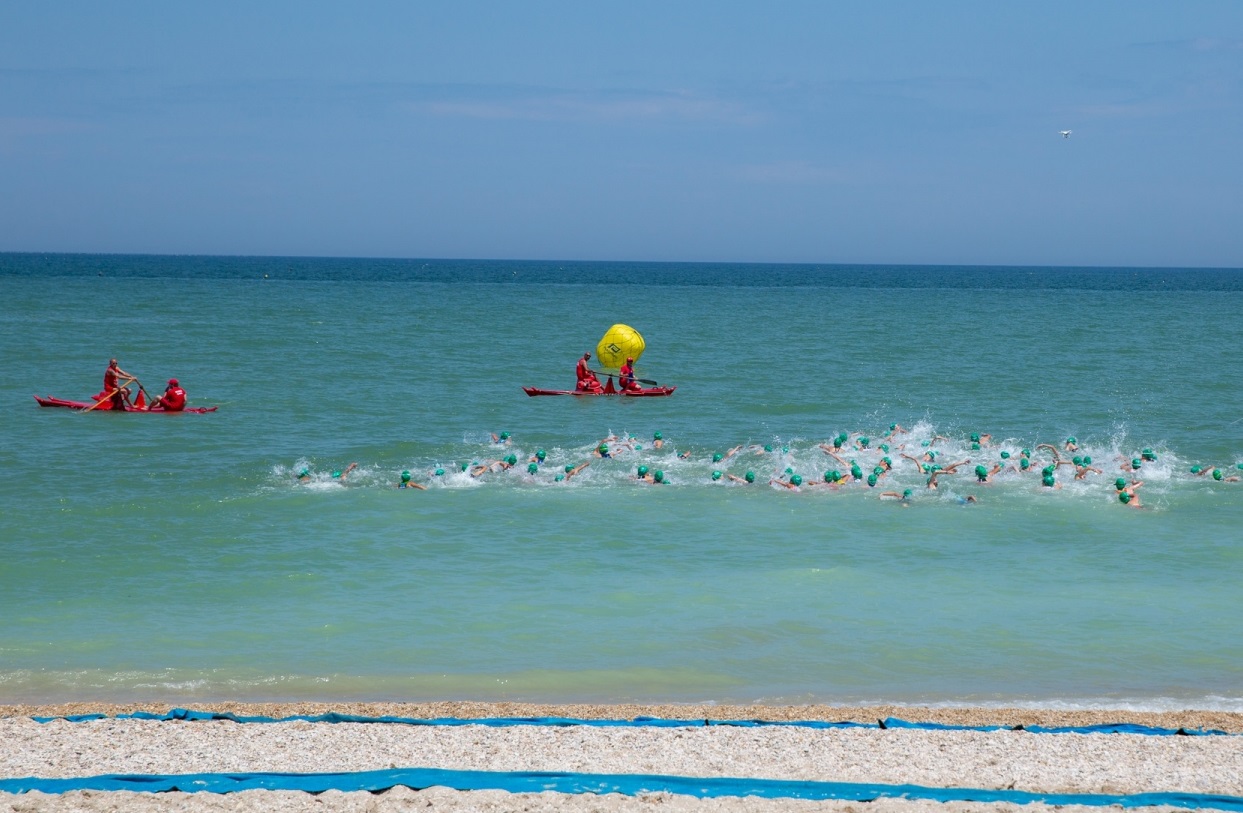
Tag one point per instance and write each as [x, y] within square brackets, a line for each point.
[49, 401]
[609, 389]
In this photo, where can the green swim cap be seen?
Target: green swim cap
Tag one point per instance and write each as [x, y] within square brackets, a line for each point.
[789, 470]
[975, 447]
[925, 443]
[981, 472]
[936, 466]
[559, 478]
[975, 437]
[642, 471]
[336, 473]
[1026, 453]
[1197, 469]
[658, 436]
[1077, 460]
[887, 462]
[638, 447]
[796, 480]
[1024, 464]
[749, 477]
[1238, 465]
[716, 457]
[716, 475]
[1071, 439]
[532, 468]
[659, 476]
[504, 436]
[541, 454]
[1087, 461]
[440, 472]
[872, 480]
[1048, 480]
[932, 454]
[832, 476]
[1136, 463]
[1120, 483]
[843, 437]
[465, 465]
[863, 441]
[884, 447]
[1005, 455]
[405, 476]
[1048, 471]
[603, 448]
[878, 470]
[768, 447]
[856, 472]
[569, 467]
[892, 426]
[512, 460]
[1124, 497]
[304, 473]
[906, 493]
[837, 443]
[1147, 454]
[1216, 474]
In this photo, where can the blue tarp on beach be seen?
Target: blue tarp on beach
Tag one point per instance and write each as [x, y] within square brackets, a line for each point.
[626, 784]
[650, 722]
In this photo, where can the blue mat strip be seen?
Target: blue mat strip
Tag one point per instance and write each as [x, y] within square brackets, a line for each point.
[627, 784]
[654, 722]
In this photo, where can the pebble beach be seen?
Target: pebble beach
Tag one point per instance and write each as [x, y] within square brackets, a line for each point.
[1004, 759]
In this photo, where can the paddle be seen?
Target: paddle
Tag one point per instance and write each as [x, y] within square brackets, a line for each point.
[108, 397]
[647, 381]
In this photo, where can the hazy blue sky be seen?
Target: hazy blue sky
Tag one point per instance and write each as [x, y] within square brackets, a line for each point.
[904, 132]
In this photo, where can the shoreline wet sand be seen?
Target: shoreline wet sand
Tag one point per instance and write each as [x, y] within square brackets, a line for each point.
[1005, 759]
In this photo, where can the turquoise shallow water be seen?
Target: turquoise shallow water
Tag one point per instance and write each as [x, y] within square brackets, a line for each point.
[175, 557]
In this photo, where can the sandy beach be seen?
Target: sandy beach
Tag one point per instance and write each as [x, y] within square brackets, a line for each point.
[1008, 759]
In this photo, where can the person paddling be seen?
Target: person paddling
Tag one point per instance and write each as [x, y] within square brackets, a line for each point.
[585, 379]
[625, 376]
[115, 390]
[173, 399]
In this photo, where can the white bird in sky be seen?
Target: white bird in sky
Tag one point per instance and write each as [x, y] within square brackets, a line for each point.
[1065, 133]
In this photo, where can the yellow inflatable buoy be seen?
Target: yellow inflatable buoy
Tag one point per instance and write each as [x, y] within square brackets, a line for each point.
[620, 342]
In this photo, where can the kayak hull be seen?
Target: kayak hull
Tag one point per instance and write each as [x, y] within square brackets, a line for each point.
[650, 392]
[49, 401]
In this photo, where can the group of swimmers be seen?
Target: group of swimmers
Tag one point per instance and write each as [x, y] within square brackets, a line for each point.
[884, 456]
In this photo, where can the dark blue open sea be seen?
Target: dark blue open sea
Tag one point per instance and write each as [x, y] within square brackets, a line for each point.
[178, 558]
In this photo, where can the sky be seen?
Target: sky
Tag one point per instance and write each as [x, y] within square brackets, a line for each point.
[804, 132]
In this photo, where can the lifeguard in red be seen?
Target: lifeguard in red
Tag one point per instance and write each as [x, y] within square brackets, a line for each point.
[625, 376]
[585, 379]
[173, 399]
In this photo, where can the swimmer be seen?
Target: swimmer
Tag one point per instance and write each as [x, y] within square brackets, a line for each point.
[1072, 445]
[749, 477]
[343, 473]
[931, 482]
[658, 440]
[833, 477]
[793, 484]
[642, 474]
[503, 464]
[1148, 456]
[833, 453]
[1129, 499]
[729, 453]
[602, 451]
[894, 429]
[716, 475]
[659, 477]
[407, 483]
[538, 457]
[967, 500]
[303, 474]
[1221, 478]
[685, 455]
[1134, 464]
[571, 470]
[904, 497]
[1084, 467]
[501, 439]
